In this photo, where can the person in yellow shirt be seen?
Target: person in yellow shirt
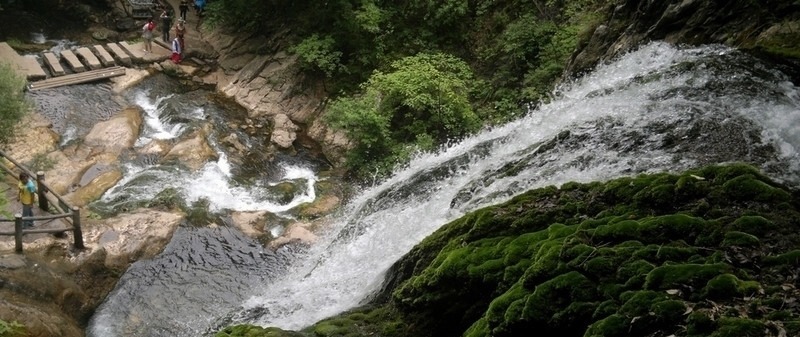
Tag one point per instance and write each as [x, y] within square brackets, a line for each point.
[27, 195]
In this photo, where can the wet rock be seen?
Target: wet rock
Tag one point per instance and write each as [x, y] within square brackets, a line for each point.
[319, 207]
[193, 152]
[284, 132]
[297, 232]
[249, 223]
[95, 187]
[125, 24]
[118, 133]
[141, 234]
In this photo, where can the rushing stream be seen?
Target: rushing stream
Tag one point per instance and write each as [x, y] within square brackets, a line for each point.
[658, 109]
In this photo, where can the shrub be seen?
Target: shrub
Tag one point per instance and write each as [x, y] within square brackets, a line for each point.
[423, 101]
[13, 105]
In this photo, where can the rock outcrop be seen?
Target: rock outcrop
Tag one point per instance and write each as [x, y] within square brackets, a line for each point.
[762, 26]
[269, 84]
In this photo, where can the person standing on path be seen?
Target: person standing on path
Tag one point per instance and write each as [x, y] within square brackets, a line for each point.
[165, 24]
[184, 7]
[27, 194]
[180, 31]
[147, 35]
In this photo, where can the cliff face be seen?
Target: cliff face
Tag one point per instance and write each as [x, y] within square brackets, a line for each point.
[766, 27]
[267, 81]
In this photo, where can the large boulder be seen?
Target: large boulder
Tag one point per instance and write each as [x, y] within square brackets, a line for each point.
[118, 133]
[193, 152]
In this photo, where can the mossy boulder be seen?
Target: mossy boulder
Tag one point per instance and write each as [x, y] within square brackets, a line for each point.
[703, 253]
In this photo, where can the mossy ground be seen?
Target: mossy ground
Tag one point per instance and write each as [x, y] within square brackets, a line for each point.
[711, 252]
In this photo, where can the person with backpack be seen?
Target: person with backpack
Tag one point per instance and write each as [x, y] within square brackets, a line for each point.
[147, 35]
[27, 195]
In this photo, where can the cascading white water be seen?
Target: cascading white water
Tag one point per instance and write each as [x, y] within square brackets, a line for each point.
[657, 109]
[212, 182]
[620, 120]
[172, 294]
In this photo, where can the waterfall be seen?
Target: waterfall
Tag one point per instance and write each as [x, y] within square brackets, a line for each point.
[660, 108]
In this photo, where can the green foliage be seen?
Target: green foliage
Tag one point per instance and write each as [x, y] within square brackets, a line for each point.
[168, 198]
[199, 213]
[243, 15]
[13, 105]
[12, 329]
[41, 162]
[247, 330]
[318, 53]
[422, 102]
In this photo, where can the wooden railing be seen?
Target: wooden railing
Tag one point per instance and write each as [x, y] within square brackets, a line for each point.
[49, 201]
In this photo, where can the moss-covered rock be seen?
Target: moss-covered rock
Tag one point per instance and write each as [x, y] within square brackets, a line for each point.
[634, 256]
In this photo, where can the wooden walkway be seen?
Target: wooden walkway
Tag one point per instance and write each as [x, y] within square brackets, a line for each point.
[80, 64]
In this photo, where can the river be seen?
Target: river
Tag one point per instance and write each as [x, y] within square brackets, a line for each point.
[658, 109]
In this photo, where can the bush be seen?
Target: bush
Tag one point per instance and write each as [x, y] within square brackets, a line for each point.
[421, 103]
[13, 105]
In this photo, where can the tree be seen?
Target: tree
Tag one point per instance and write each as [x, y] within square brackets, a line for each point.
[13, 105]
[422, 102]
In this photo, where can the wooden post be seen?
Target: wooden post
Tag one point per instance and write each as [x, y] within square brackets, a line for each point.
[18, 233]
[42, 190]
[76, 227]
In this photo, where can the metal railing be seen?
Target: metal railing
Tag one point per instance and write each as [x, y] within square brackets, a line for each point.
[49, 201]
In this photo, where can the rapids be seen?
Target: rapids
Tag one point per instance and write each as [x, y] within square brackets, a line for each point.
[660, 108]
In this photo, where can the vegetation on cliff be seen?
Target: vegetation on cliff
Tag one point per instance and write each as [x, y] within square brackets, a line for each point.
[502, 56]
[710, 252]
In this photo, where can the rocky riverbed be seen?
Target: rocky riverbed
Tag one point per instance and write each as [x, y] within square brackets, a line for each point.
[53, 289]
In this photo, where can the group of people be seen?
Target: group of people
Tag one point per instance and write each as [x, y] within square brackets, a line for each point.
[177, 43]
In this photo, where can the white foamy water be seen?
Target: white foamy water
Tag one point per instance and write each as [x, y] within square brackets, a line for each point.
[658, 109]
[155, 127]
[623, 100]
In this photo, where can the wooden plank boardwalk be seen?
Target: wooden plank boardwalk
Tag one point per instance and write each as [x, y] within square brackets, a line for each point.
[88, 76]
[70, 67]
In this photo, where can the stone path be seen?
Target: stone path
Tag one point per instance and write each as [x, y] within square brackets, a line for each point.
[80, 59]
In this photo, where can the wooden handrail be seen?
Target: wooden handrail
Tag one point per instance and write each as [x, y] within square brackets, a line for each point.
[44, 193]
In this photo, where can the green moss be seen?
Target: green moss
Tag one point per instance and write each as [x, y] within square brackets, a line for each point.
[247, 330]
[605, 309]
[791, 258]
[638, 303]
[740, 239]
[530, 262]
[657, 195]
[327, 329]
[560, 291]
[668, 312]
[753, 224]
[676, 276]
[748, 187]
[699, 324]
[691, 186]
[611, 326]
[727, 286]
[662, 253]
[780, 315]
[739, 327]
